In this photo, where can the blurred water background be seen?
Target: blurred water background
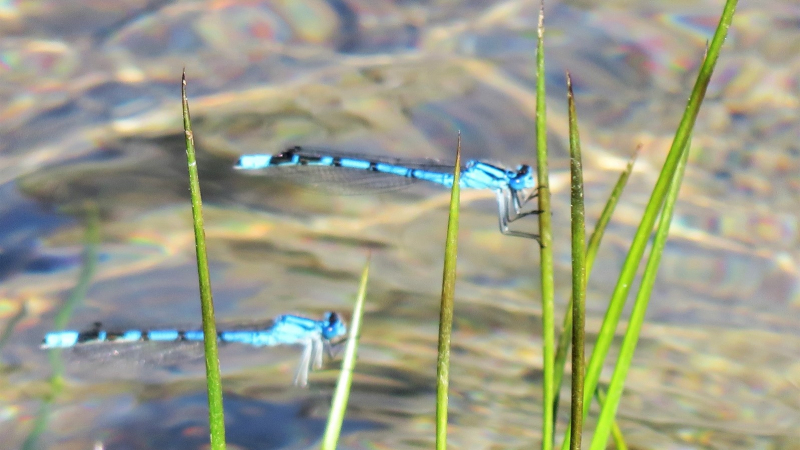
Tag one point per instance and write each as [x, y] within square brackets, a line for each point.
[90, 119]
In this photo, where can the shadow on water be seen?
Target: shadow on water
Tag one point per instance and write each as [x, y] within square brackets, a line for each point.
[182, 423]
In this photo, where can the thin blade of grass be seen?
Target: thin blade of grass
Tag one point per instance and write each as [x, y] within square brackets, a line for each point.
[342, 393]
[546, 247]
[616, 431]
[75, 298]
[446, 308]
[88, 267]
[78, 293]
[591, 252]
[608, 210]
[631, 338]
[12, 323]
[31, 441]
[565, 337]
[578, 219]
[637, 248]
[617, 436]
[216, 416]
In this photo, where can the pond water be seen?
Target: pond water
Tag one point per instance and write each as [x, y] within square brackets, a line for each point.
[91, 127]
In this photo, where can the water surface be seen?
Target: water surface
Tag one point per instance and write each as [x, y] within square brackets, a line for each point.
[91, 116]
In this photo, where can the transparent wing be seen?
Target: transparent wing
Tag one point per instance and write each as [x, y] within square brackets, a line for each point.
[144, 361]
[301, 378]
[121, 356]
[336, 180]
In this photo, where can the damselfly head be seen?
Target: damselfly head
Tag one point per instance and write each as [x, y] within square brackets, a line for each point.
[522, 179]
[334, 327]
[286, 154]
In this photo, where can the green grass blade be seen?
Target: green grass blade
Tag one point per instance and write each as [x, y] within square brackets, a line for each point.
[12, 323]
[446, 309]
[618, 437]
[342, 392]
[608, 211]
[591, 252]
[31, 441]
[216, 417]
[76, 296]
[546, 247]
[88, 267]
[616, 431]
[578, 219]
[78, 293]
[637, 248]
[628, 347]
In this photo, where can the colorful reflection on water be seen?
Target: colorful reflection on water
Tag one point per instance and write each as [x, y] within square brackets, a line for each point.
[90, 117]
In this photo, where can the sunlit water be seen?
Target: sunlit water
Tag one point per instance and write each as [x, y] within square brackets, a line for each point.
[91, 116]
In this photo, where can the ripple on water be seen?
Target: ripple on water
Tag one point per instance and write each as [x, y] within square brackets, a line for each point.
[90, 93]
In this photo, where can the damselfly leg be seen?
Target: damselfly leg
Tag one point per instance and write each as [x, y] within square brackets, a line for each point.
[510, 203]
